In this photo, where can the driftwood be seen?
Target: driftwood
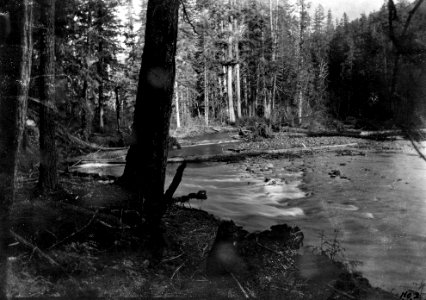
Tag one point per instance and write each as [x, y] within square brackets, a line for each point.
[200, 195]
[357, 134]
[242, 155]
[348, 133]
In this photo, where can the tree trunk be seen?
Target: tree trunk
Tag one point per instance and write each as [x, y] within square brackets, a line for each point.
[237, 73]
[301, 63]
[266, 111]
[273, 59]
[118, 109]
[101, 89]
[85, 114]
[48, 173]
[206, 86]
[15, 68]
[147, 157]
[246, 91]
[177, 105]
[206, 97]
[229, 69]
[101, 74]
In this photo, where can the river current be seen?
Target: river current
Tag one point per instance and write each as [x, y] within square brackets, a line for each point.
[374, 201]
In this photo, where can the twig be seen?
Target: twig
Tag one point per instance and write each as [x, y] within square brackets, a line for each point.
[111, 226]
[341, 292]
[177, 270]
[240, 286]
[172, 258]
[76, 232]
[34, 248]
[264, 247]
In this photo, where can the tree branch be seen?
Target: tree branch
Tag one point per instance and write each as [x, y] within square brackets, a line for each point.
[175, 183]
[186, 16]
[410, 16]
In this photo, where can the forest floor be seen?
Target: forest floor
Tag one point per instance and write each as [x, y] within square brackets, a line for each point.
[77, 243]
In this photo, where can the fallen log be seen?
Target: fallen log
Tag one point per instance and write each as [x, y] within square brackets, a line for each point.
[112, 220]
[34, 248]
[357, 134]
[84, 144]
[242, 155]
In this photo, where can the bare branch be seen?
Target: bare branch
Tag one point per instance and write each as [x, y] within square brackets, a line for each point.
[186, 16]
[410, 16]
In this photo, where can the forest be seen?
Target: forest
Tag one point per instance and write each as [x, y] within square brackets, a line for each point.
[126, 126]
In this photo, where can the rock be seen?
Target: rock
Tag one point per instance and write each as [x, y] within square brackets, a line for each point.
[269, 166]
[271, 182]
[334, 173]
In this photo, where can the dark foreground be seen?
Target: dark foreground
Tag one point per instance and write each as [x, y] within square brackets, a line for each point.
[69, 248]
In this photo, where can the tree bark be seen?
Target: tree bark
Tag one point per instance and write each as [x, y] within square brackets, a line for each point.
[147, 157]
[48, 173]
[15, 68]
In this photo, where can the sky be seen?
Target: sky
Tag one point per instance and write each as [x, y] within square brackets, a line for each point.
[353, 8]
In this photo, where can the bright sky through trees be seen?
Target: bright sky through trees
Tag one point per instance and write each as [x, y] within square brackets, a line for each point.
[353, 8]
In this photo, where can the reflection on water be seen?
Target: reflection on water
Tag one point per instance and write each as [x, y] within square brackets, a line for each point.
[378, 204]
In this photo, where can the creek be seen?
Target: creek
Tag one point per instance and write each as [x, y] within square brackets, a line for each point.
[375, 202]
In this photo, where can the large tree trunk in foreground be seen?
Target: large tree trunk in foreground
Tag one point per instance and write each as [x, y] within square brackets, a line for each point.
[147, 157]
[15, 66]
[48, 176]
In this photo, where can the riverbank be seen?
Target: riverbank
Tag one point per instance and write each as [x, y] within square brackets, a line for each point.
[73, 250]
[78, 245]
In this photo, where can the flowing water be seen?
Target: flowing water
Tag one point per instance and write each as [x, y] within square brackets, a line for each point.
[376, 201]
